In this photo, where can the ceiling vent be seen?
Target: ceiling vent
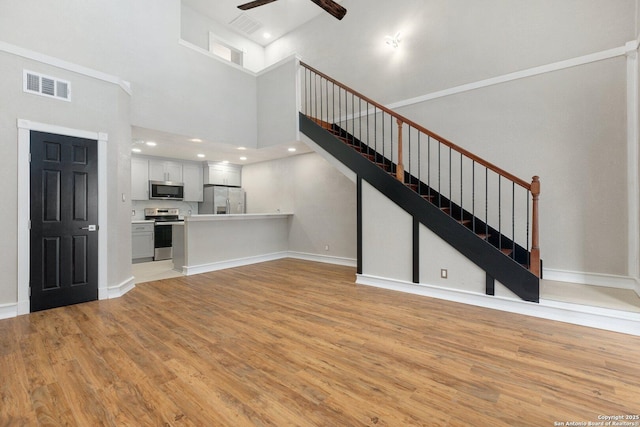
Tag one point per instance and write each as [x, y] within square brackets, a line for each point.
[245, 24]
[51, 87]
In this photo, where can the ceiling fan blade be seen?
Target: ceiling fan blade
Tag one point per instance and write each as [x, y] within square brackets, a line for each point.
[253, 4]
[332, 7]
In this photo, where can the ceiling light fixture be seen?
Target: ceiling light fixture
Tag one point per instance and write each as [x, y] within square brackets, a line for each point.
[195, 140]
[242, 148]
[243, 158]
[201, 155]
[393, 41]
[266, 35]
[136, 150]
[292, 150]
[151, 143]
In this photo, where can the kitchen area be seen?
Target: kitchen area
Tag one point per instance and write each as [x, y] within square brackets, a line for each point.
[190, 217]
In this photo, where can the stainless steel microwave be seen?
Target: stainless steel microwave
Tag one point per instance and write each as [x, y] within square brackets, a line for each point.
[166, 190]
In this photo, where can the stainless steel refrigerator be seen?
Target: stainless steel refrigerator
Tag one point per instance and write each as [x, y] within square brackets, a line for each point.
[222, 200]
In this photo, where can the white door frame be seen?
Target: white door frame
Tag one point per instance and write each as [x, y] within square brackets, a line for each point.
[24, 202]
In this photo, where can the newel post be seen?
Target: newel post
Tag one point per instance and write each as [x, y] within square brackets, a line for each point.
[535, 243]
[400, 168]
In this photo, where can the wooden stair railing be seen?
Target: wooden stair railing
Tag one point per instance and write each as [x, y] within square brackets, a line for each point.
[334, 105]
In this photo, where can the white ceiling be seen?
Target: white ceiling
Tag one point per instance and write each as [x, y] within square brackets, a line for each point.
[184, 148]
[277, 18]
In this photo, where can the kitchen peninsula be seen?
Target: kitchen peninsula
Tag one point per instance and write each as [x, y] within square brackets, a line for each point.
[214, 242]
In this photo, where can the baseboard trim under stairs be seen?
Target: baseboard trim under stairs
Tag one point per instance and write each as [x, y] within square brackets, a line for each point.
[595, 317]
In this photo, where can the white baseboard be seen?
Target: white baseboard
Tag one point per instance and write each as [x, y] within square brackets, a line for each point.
[594, 317]
[347, 262]
[189, 270]
[8, 310]
[121, 289]
[595, 279]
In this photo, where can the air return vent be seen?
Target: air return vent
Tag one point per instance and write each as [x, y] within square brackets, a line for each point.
[245, 24]
[51, 87]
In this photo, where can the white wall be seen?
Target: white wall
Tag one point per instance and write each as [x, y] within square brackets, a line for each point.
[195, 29]
[96, 106]
[278, 104]
[138, 42]
[322, 200]
[568, 126]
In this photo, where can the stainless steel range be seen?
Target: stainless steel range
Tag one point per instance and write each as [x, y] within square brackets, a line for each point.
[164, 219]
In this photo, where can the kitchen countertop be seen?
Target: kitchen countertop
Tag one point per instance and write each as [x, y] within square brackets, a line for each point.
[142, 221]
[236, 217]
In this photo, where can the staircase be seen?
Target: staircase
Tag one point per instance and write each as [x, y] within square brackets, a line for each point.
[487, 214]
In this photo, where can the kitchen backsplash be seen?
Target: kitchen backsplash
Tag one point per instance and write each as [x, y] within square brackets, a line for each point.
[138, 207]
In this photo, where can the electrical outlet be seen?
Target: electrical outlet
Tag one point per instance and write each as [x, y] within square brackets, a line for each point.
[326, 247]
[133, 212]
[444, 273]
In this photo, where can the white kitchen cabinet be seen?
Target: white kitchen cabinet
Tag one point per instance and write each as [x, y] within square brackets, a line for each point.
[192, 174]
[139, 178]
[165, 170]
[142, 247]
[223, 174]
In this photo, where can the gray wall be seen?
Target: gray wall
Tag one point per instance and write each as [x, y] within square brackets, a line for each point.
[138, 42]
[97, 107]
[278, 104]
[195, 29]
[567, 126]
[322, 199]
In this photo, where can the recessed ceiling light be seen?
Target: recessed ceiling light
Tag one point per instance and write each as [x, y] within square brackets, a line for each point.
[242, 148]
[243, 158]
[224, 162]
[151, 143]
[266, 35]
[195, 140]
[136, 150]
[292, 150]
[201, 155]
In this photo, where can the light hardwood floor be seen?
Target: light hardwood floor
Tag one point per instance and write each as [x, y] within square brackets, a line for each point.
[295, 343]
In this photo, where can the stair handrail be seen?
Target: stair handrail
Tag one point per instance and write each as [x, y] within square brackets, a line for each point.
[526, 185]
[533, 187]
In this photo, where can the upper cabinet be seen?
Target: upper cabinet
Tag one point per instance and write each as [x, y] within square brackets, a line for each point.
[193, 182]
[223, 174]
[165, 170]
[145, 169]
[139, 178]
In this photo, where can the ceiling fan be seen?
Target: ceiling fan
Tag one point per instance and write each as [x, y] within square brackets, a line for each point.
[329, 5]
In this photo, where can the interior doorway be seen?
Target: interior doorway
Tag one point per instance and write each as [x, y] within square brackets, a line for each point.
[64, 220]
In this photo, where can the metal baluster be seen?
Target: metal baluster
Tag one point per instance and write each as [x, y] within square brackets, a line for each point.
[419, 165]
[450, 192]
[528, 221]
[513, 220]
[383, 137]
[321, 106]
[409, 148]
[391, 139]
[500, 212]
[486, 203]
[473, 195]
[439, 174]
[461, 202]
[429, 166]
[360, 121]
[368, 127]
[333, 105]
[375, 128]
